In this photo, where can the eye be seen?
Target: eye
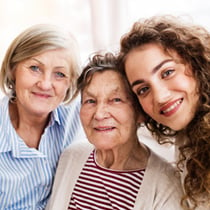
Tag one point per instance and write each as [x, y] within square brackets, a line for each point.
[167, 73]
[60, 74]
[34, 68]
[89, 101]
[142, 91]
[116, 99]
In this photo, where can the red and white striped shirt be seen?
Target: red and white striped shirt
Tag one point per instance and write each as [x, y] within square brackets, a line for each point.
[101, 188]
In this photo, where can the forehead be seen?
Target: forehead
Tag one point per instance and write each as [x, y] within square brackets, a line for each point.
[106, 81]
[153, 50]
[149, 57]
[57, 53]
[57, 58]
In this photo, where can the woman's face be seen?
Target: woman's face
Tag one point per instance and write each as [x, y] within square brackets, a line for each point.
[41, 82]
[107, 113]
[165, 87]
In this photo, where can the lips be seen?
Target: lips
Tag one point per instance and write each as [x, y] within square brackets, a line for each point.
[171, 107]
[106, 128]
[42, 95]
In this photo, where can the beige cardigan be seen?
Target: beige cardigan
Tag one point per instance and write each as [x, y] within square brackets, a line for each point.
[160, 189]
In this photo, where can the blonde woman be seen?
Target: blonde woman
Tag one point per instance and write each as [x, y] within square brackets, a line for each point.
[38, 77]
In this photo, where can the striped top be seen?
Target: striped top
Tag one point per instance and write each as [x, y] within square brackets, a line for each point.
[101, 188]
[26, 174]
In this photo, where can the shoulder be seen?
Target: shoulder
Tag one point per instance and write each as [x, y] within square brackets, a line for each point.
[69, 167]
[73, 157]
[78, 150]
[165, 177]
[162, 182]
[161, 166]
[78, 147]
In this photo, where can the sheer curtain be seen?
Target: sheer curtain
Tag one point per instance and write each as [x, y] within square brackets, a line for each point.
[97, 24]
[108, 19]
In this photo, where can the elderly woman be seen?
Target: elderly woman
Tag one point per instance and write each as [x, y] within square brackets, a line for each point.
[113, 170]
[38, 75]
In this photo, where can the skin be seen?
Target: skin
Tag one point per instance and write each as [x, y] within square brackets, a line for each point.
[110, 122]
[164, 85]
[41, 83]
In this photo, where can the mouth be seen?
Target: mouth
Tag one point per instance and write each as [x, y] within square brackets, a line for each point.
[171, 107]
[104, 129]
[41, 95]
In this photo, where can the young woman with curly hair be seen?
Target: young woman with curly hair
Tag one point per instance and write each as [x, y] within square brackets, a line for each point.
[167, 63]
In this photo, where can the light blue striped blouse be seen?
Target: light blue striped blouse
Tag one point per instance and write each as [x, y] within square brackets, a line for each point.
[26, 174]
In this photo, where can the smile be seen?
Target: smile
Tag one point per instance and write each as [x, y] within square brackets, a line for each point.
[104, 128]
[172, 108]
[41, 95]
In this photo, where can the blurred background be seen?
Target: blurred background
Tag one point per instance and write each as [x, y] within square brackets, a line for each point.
[96, 24]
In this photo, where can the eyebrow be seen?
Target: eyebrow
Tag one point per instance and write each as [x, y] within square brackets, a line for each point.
[154, 70]
[57, 67]
[35, 59]
[89, 93]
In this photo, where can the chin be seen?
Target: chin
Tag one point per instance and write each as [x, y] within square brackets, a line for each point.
[177, 128]
[103, 147]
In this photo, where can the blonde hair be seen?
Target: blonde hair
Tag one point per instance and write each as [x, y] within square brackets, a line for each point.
[34, 41]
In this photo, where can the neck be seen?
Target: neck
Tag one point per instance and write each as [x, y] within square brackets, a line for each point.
[122, 158]
[28, 127]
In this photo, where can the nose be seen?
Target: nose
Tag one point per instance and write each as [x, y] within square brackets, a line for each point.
[45, 82]
[101, 112]
[161, 93]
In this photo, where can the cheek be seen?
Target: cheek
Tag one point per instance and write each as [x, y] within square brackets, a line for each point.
[188, 85]
[147, 105]
[129, 118]
[84, 116]
[62, 88]
[23, 85]
[66, 84]
[192, 87]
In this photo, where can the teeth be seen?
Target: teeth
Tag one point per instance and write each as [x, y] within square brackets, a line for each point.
[173, 106]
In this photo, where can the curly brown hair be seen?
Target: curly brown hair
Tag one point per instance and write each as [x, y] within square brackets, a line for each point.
[192, 43]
